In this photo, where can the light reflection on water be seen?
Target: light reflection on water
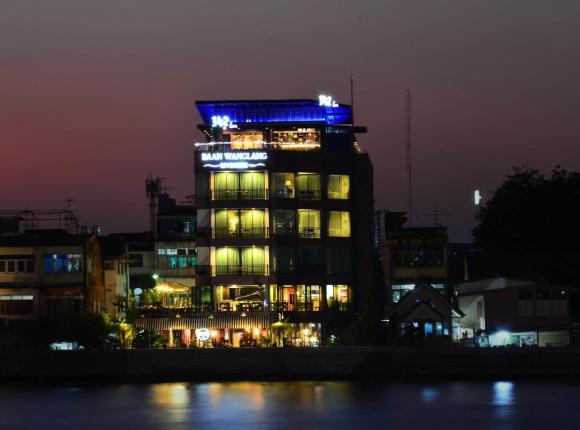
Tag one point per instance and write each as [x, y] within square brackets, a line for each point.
[295, 405]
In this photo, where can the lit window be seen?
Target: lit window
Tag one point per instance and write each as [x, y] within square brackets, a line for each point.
[308, 223]
[308, 185]
[301, 139]
[338, 296]
[399, 290]
[339, 224]
[62, 263]
[247, 139]
[240, 223]
[282, 185]
[338, 187]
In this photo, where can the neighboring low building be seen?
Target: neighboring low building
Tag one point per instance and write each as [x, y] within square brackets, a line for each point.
[48, 273]
[138, 251]
[411, 255]
[503, 311]
[422, 313]
[116, 277]
[175, 255]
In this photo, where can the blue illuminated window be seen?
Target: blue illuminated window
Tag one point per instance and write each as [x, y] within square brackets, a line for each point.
[62, 263]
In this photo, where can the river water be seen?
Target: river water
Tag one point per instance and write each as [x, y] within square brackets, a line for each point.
[294, 405]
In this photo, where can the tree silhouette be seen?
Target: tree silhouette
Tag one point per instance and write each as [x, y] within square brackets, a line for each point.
[530, 228]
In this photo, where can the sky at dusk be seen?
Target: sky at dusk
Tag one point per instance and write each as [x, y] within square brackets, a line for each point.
[95, 94]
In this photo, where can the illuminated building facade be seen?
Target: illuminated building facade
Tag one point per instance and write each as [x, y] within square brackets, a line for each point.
[284, 204]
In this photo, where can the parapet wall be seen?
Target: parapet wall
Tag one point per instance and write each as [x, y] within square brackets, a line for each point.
[289, 363]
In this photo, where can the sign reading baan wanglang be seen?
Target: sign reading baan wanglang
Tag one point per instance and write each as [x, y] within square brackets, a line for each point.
[234, 160]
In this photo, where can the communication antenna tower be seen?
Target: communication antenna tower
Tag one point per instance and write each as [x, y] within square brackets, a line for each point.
[436, 215]
[408, 118]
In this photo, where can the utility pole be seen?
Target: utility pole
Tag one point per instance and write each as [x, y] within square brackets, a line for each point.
[408, 118]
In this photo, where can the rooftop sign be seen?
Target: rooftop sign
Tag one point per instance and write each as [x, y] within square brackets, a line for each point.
[238, 160]
[328, 101]
[222, 122]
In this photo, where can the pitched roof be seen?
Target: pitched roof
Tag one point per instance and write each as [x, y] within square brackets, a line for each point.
[407, 299]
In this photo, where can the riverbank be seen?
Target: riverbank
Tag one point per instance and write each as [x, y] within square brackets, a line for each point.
[337, 363]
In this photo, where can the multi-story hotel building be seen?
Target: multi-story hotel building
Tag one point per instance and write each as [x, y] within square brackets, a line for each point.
[284, 199]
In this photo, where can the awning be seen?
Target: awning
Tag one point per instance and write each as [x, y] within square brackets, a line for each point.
[220, 320]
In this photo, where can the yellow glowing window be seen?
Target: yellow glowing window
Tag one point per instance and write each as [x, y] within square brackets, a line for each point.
[301, 139]
[252, 180]
[245, 139]
[227, 182]
[308, 186]
[227, 257]
[338, 293]
[338, 186]
[240, 223]
[339, 224]
[308, 223]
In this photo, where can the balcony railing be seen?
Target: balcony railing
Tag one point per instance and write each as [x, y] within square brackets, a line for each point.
[302, 270]
[240, 233]
[308, 194]
[231, 270]
[237, 305]
[284, 231]
[218, 194]
[309, 232]
[203, 270]
[282, 193]
[234, 270]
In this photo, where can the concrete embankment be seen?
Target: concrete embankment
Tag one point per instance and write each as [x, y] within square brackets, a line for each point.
[369, 363]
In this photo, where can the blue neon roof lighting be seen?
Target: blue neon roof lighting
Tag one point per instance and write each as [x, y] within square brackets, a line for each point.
[269, 111]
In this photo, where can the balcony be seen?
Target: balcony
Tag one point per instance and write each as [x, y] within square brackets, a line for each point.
[239, 270]
[240, 233]
[315, 269]
[240, 306]
[308, 194]
[232, 270]
[219, 194]
[309, 232]
[283, 230]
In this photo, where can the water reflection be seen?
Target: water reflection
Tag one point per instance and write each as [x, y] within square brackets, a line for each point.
[297, 405]
[503, 393]
[503, 400]
[172, 399]
[429, 394]
[174, 395]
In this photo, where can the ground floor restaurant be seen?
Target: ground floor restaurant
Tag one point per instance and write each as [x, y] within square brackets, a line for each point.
[230, 330]
[246, 298]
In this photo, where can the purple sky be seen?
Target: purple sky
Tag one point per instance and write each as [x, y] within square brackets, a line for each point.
[94, 94]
